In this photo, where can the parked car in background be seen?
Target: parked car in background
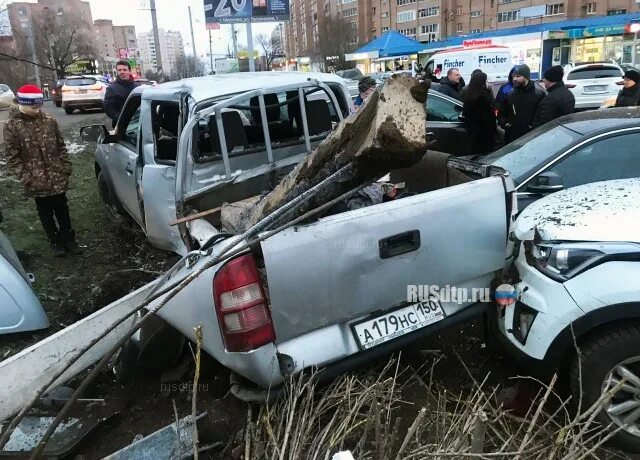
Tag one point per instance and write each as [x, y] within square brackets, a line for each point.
[56, 92]
[579, 284]
[20, 310]
[573, 150]
[593, 83]
[350, 74]
[83, 92]
[6, 96]
[145, 82]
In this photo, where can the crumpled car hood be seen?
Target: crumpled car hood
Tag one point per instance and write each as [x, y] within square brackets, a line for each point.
[601, 211]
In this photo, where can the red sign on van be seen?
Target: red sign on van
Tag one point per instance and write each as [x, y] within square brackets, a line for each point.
[478, 42]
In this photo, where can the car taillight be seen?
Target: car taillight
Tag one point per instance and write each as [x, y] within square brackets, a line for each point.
[570, 85]
[241, 306]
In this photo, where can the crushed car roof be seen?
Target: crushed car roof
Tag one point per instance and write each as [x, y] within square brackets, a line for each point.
[202, 88]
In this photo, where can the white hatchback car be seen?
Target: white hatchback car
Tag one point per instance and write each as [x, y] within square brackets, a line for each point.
[6, 96]
[578, 275]
[83, 92]
[593, 83]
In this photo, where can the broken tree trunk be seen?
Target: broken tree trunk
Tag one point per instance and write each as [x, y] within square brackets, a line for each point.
[388, 132]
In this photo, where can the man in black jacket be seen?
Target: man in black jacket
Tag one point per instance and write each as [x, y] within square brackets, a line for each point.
[522, 104]
[118, 92]
[450, 85]
[629, 95]
[559, 100]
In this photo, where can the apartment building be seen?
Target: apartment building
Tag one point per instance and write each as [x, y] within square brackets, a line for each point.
[308, 19]
[484, 15]
[171, 48]
[115, 43]
[434, 20]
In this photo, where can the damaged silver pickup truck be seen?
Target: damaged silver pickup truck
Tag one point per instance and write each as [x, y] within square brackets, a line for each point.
[316, 293]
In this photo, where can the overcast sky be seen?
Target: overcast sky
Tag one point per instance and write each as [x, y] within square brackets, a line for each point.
[174, 15]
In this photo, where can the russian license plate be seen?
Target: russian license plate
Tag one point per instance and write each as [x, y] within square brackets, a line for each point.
[595, 89]
[375, 331]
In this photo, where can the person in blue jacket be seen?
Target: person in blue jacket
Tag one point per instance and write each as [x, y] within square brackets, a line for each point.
[501, 97]
[366, 86]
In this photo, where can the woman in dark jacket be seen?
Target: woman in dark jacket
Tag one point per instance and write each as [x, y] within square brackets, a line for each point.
[629, 95]
[479, 116]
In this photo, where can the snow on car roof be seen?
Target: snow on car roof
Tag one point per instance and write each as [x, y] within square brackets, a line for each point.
[202, 88]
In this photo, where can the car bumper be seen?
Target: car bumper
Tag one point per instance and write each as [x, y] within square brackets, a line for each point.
[591, 102]
[329, 351]
[84, 103]
[552, 308]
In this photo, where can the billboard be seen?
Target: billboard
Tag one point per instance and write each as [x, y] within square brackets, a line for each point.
[238, 11]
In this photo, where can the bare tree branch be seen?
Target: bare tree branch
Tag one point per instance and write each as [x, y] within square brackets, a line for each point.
[8, 57]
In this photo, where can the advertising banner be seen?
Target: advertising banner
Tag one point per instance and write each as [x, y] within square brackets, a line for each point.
[239, 11]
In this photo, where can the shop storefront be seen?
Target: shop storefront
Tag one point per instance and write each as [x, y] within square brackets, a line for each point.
[613, 43]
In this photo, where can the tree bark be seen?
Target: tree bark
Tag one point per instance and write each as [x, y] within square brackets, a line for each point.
[388, 132]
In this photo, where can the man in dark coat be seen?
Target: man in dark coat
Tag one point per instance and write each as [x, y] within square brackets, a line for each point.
[629, 95]
[37, 155]
[559, 100]
[450, 85]
[118, 92]
[521, 106]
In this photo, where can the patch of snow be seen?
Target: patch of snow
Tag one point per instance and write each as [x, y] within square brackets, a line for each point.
[74, 148]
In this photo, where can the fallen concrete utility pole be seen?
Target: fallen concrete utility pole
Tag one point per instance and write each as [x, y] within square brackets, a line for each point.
[389, 132]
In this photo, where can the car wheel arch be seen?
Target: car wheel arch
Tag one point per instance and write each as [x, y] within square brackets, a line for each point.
[563, 348]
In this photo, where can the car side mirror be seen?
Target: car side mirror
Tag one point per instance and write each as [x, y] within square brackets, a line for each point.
[95, 134]
[545, 183]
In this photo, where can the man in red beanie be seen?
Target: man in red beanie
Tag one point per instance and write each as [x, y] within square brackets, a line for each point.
[37, 155]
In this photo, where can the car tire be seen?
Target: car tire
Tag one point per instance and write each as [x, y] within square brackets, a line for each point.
[603, 354]
[113, 209]
[68, 110]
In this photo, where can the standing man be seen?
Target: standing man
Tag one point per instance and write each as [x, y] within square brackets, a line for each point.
[559, 100]
[37, 155]
[450, 85]
[118, 91]
[521, 106]
[629, 95]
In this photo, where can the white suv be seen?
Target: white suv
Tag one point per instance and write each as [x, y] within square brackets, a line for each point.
[578, 276]
[83, 92]
[593, 83]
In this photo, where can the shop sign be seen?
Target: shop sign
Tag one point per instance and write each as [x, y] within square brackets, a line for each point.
[477, 42]
[600, 31]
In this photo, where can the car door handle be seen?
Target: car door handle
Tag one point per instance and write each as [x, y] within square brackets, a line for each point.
[401, 243]
[128, 169]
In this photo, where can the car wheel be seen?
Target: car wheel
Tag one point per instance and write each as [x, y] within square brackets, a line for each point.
[68, 110]
[116, 215]
[607, 358]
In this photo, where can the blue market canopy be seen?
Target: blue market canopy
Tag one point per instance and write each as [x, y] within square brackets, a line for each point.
[389, 44]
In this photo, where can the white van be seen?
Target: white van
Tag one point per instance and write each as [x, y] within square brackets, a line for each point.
[495, 61]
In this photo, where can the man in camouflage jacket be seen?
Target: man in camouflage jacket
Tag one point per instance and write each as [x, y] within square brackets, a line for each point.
[37, 155]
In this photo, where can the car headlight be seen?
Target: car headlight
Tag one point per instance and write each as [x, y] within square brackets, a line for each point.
[563, 261]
